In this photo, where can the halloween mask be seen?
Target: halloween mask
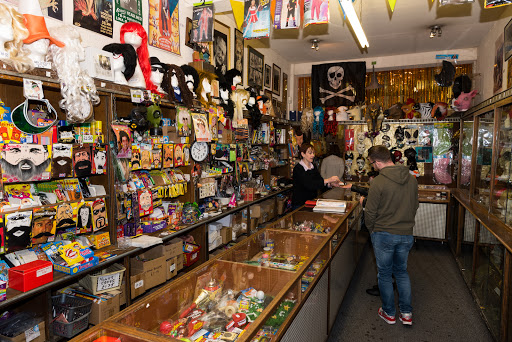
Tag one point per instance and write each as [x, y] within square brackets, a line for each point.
[99, 214]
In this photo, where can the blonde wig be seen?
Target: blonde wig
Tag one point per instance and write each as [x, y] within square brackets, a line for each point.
[238, 97]
[77, 87]
[210, 77]
[18, 57]
[306, 121]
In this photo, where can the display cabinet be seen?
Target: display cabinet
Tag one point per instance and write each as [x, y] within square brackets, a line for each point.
[482, 165]
[310, 222]
[466, 150]
[501, 204]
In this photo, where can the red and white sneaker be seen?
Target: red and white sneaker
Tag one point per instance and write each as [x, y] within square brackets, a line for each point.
[406, 318]
[386, 317]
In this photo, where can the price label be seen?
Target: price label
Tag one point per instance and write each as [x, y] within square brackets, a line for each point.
[43, 271]
[87, 139]
[172, 267]
[32, 333]
[107, 282]
[139, 284]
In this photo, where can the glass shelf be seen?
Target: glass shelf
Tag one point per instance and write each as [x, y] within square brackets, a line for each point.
[484, 158]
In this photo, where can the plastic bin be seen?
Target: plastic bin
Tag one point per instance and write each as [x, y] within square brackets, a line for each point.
[109, 279]
[71, 329]
[192, 256]
[72, 307]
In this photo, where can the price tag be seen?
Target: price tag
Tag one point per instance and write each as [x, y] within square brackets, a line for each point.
[138, 284]
[172, 267]
[107, 282]
[43, 271]
[32, 333]
[87, 139]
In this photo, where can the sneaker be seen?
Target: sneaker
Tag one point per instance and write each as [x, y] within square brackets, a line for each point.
[386, 317]
[406, 318]
[374, 291]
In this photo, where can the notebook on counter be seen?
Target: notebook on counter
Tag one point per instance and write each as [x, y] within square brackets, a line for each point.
[330, 206]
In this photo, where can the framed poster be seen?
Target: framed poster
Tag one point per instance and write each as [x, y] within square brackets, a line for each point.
[221, 47]
[188, 34]
[284, 98]
[498, 65]
[239, 51]
[268, 76]
[276, 79]
[507, 48]
[255, 69]
[95, 15]
[509, 74]
[164, 32]
[128, 10]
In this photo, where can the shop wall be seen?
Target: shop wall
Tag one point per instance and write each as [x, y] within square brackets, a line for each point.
[486, 58]
[412, 60]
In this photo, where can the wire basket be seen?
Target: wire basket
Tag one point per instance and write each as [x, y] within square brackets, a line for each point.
[109, 279]
[71, 329]
[72, 307]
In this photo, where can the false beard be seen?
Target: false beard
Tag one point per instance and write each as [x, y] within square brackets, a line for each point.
[64, 169]
[83, 168]
[24, 174]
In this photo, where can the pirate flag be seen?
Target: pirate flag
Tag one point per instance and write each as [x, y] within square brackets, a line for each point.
[338, 84]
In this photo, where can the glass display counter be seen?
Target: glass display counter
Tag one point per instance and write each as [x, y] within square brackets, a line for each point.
[309, 222]
[485, 137]
[502, 194]
[466, 149]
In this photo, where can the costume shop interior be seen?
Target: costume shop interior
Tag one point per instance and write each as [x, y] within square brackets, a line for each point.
[147, 152]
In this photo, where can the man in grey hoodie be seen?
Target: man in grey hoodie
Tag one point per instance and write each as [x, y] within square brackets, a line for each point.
[389, 215]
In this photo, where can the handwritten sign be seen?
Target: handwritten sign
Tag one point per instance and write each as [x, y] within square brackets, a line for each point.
[107, 282]
[32, 333]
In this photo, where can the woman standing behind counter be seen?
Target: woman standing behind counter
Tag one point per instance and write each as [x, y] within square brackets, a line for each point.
[306, 178]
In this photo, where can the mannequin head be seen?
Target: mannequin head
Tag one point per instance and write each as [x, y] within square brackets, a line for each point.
[233, 77]
[124, 61]
[38, 49]
[135, 35]
[191, 78]
[175, 79]
[12, 34]
[205, 86]
[158, 70]
[77, 87]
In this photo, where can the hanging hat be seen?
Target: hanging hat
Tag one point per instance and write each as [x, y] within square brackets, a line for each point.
[35, 23]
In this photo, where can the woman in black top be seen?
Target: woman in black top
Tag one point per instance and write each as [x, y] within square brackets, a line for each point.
[306, 178]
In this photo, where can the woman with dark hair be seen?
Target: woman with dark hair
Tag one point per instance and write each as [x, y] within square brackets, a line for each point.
[307, 181]
[333, 165]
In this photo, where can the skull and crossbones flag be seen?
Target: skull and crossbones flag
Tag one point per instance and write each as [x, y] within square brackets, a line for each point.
[338, 84]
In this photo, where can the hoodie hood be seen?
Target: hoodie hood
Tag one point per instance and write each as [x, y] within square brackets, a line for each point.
[397, 173]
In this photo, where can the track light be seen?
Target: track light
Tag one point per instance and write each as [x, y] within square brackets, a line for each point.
[435, 31]
[314, 44]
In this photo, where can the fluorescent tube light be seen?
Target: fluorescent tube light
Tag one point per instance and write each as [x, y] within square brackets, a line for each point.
[350, 12]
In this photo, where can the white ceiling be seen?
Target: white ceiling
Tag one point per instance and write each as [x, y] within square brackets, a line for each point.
[404, 31]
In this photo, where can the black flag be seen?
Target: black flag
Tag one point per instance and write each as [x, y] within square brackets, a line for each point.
[338, 84]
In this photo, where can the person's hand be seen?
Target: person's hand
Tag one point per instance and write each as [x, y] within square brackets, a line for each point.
[335, 184]
[333, 179]
[361, 200]
[346, 186]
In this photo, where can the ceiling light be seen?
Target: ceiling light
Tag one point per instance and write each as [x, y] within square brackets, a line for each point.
[314, 44]
[435, 31]
[350, 12]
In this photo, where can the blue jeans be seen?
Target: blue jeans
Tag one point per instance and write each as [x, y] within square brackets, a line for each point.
[391, 252]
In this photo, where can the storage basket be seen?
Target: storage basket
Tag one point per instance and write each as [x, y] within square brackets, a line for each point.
[73, 328]
[192, 257]
[72, 307]
[109, 279]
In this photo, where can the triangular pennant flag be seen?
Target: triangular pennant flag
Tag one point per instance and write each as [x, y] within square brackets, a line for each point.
[238, 12]
[392, 4]
[172, 6]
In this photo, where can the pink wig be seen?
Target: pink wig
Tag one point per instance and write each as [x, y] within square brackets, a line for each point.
[142, 51]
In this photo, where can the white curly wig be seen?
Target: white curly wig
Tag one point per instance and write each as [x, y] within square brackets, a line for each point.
[77, 87]
[18, 58]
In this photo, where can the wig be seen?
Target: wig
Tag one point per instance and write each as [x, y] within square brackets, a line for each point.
[306, 120]
[129, 56]
[254, 110]
[142, 51]
[318, 125]
[186, 95]
[188, 70]
[18, 57]
[238, 97]
[230, 75]
[202, 76]
[77, 87]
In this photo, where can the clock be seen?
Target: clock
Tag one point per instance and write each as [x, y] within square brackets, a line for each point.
[199, 151]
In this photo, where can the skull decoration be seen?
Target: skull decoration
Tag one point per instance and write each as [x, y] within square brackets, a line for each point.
[335, 76]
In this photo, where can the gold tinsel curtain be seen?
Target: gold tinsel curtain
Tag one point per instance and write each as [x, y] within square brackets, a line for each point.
[399, 85]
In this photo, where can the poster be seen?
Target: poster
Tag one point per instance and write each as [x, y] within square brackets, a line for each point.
[128, 10]
[202, 23]
[201, 127]
[124, 141]
[164, 28]
[498, 65]
[287, 14]
[93, 15]
[316, 12]
[220, 51]
[52, 9]
[239, 51]
[256, 19]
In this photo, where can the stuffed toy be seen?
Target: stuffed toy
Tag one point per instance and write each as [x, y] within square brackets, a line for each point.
[425, 109]
[439, 111]
[445, 77]
[394, 112]
[408, 109]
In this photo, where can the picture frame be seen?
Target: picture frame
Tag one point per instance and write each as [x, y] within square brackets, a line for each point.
[239, 51]
[276, 79]
[268, 77]
[255, 68]
[188, 33]
[221, 58]
[507, 46]
[284, 98]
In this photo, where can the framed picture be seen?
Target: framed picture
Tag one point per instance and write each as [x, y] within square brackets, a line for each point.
[268, 93]
[498, 64]
[255, 69]
[276, 80]
[221, 47]
[284, 98]
[509, 74]
[188, 33]
[507, 48]
[239, 51]
[268, 77]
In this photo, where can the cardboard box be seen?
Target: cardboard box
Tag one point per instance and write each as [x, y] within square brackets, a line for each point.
[171, 268]
[152, 264]
[227, 234]
[30, 332]
[179, 262]
[105, 309]
[122, 293]
[255, 211]
[173, 248]
[137, 284]
[31, 275]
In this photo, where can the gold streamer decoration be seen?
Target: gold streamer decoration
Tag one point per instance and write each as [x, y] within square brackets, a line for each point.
[399, 85]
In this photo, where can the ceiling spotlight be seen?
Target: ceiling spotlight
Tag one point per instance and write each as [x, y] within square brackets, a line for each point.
[314, 44]
[435, 31]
